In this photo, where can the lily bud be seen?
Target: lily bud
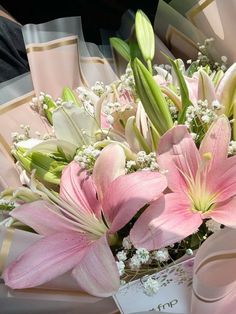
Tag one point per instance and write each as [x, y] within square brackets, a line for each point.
[46, 168]
[152, 98]
[121, 47]
[226, 90]
[206, 89]
[145, 35]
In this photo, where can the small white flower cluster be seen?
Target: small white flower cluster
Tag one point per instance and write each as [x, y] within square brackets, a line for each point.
[189, 252]
[140, 257]
[161, 255]
[112, 107]
[203, 112]
[86, 157]
[151, 286]
[38, 102]
[121, 267]
[99, 88]
[232, 148]
[122, 255]
[109, 109]
[127, 80]
[18, 137]
[173, 110]
[126, 243]
[133, 259]
[143, 162]
[205, 58]
[213, 226]
[86, 100]
[166, 67]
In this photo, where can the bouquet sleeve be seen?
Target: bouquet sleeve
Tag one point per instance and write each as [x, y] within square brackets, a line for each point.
[58, 53]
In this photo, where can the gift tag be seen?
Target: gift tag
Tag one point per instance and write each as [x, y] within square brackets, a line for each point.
[168, 291]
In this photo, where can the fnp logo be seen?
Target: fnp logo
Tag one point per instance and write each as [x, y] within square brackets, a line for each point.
[162, 307]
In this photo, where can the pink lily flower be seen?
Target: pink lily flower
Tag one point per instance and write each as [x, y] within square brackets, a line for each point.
[203, 183]
[77, 234]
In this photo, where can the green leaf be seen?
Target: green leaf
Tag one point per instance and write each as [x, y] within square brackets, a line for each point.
[48, 109]
[121, 47]
[183, 89]
[135, 51]
[145, 35]
[192, 69]
[47, 168]
[69, 96]
[152, 98]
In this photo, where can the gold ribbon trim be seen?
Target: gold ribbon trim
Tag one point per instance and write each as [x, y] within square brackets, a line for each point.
[196, 9]
[16, 103]
[5, 249]
[52, 45]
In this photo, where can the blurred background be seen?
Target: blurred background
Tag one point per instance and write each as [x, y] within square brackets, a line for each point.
[96, 14]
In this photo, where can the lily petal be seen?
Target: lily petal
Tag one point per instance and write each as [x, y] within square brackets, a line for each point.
[206, 89]
[192, 85]
[109, 165]
[50, 257]
[128, 194]
[73, 124]
[77, 188]
[221, 181]
[54, 145]
[226, 90]
[225, 213]
[178, 154]
[166, 221]
[44, 217]
[216, 142]
[97, 273]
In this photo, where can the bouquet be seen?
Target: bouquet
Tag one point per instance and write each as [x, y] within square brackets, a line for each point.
[131, 176]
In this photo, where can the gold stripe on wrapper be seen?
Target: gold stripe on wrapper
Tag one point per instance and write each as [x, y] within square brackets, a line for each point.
[5, 145]
[54, 45]
[199, 7]
[96, 60]
[16, 103]
[5, 249]
[10, 106]
[57, 44]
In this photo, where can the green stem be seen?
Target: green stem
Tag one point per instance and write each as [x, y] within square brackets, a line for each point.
[149, 64]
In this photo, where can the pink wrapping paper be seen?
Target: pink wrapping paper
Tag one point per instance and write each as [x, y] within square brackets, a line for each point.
[214, 282]
[12, 115]
[54, 65]
[9, 176]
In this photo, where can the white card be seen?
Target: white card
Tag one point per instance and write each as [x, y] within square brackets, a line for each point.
[173, 296]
